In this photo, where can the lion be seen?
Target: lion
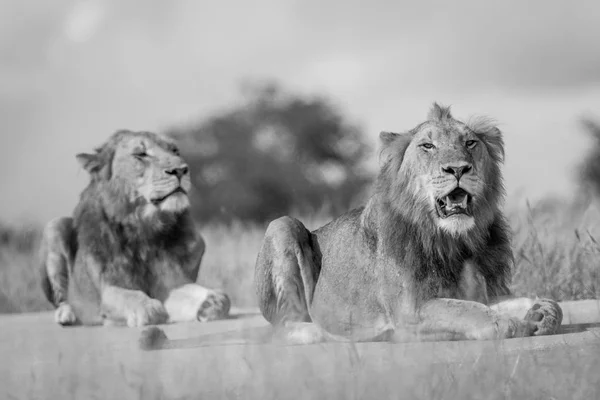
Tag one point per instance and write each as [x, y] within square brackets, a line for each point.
[130, 254]
[427, 258]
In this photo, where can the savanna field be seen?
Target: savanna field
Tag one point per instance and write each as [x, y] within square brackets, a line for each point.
[289, 138]
[556, 247]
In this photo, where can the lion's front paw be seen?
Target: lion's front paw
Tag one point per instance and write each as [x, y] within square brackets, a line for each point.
[64, 315]
[298, 333]
[215, 306]
[147, 312]
[546, 315]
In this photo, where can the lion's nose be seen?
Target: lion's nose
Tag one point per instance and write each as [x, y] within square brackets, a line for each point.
[457, 170]
[179, 171]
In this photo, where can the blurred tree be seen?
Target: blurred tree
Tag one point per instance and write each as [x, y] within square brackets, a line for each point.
[589, 171]
[275, 153]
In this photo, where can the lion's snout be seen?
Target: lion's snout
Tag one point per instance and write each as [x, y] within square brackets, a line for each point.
[179, 172]
[457, 169]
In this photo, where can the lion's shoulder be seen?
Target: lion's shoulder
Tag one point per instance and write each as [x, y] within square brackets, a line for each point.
[344, 225]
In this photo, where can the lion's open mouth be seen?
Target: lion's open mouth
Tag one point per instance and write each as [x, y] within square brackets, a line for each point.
[161, 199]
[456, 202]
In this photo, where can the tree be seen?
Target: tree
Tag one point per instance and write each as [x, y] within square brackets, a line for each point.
[589, 172]
[275, 153]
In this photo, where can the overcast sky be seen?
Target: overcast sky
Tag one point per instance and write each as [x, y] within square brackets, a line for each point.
[72, 72]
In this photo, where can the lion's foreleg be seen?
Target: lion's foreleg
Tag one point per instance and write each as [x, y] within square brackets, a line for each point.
[192, 302]
[57, 253]
[461, 319]
[192, 269]
[508, 306]
[134, 307]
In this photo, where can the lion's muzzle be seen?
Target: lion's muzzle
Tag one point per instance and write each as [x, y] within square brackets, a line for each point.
[458, 201]
[178, 172]
[457, 170]
[159, 200]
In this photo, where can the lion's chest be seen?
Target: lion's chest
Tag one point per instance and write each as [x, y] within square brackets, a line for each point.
[458, 280]
[150, 269]
[436, 277]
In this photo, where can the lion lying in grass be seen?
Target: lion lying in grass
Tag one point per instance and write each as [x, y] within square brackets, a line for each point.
[427, 258]
[130, 254]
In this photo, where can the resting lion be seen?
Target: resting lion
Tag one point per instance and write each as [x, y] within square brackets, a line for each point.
[427, 258]
[130, 254]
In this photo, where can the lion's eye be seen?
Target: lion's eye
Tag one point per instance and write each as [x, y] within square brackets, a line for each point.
[428, 146]
[175, 151]
[471, 143]
[140, 154]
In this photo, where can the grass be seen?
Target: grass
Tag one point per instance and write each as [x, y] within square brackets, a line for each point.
[556, 250]
[556, 246]
[20, 288]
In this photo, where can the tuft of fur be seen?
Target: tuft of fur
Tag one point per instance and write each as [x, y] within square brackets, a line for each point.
[439, 113]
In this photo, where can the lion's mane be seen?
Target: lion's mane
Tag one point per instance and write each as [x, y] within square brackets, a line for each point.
[398, 221]
[112, 225]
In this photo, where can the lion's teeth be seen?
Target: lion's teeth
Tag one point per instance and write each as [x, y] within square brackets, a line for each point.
[464, 202]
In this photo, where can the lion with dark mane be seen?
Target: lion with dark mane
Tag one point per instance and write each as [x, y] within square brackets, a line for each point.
[131, 253]
[427, 258]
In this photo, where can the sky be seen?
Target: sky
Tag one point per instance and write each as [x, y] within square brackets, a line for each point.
[73, 72]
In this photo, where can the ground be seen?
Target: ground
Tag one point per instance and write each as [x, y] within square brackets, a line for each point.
[43, 360]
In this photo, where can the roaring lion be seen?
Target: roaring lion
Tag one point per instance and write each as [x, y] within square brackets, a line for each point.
[427, 258]
[130, 254]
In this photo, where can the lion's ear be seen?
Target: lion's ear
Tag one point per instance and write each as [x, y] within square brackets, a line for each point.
[94, 164]
[487, 130]
[393, 145]
[495, 142]
[90, 162]
[388, 137]
[492, 137]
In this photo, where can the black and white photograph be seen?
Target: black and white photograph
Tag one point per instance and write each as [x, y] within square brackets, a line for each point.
[287, 199]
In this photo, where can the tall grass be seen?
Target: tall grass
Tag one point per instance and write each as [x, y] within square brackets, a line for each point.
[20, 288]
[556, 247]
[556, 250]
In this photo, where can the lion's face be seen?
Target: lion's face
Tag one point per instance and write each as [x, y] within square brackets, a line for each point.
[153, 168]
[145, 167]
[447, 161]
[450, 171]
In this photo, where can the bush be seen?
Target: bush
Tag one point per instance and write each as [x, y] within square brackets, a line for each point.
[275, 153]
[589, 171]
